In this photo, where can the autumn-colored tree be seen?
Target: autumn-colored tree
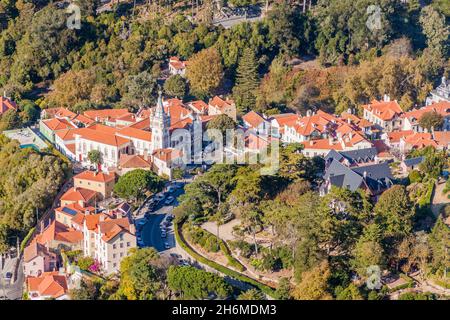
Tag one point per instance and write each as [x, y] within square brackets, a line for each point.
[205, 71]
[314, 284]
[431, 120]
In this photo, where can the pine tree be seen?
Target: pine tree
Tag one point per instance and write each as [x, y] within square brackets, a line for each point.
[247, 81]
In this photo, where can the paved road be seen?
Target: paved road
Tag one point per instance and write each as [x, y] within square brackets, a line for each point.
[151, 231]
[12, 291]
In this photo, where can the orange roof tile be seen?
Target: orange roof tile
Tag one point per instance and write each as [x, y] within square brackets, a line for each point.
[134, 161]
[7, 104]
[129, 132]
[95, 176]
[395, 136]
[220, 103]
[167, 155]
[253, 118]
[49, 284]
[58, 124]
[385, 110]
[102, 137]
[105, 114]
[78, 194]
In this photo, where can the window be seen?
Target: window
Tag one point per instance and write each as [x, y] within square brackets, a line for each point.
[114, 246]
[128, 244]
[121, 254]
[114, 256]
[121, 245]
[114, 265]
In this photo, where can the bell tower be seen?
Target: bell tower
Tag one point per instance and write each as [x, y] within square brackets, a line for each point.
[160, 124]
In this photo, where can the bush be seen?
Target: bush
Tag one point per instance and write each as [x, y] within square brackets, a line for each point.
[244, 247]
[27, 238]
[415, 176]
[85, 263]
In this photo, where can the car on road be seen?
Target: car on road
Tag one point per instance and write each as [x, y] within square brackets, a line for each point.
[184, 263]
[141, 222]
[163, 234]
[170, 217]
[169, 200]
[171, 189]
[166, 245]
[160, 196]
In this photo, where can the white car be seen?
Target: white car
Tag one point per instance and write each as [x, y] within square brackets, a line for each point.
[169, 200]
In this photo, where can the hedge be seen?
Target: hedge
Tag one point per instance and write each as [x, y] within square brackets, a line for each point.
[27, 238]
[236, 275]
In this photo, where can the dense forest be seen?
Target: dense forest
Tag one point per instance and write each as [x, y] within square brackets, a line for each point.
[29, 181]
[116, 58]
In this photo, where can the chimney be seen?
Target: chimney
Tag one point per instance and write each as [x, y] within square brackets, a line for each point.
[349, 110]
[87, 212]
[349, 121]
[432, 132]
[386, 98]
[102, 217]
[330, 140]
[309, 113]
[365, 174]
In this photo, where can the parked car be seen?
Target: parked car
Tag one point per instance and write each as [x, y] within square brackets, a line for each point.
[8, 276]
[170, 189]
[166, 245]
[163, 234]
[160, 196]
[184, 263]
[169, 200]
[141, 222]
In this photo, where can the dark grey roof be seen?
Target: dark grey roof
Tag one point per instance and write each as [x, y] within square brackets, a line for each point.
[333, 154]
[353, 156]
[377, 176]
[342, 176]
[359, 155]
[413, 161]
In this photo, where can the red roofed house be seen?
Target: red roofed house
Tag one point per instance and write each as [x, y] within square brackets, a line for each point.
[256, 122]
[7, 104]
[165, 160]
[217, 106]
[38, 259]
[387, 114]
[108, 239]
[49, 127]
[81, 196]
[313, 126]
[50, 285]
[57, 235]
[132, 162]
[176, 66]
[437, 139]
[100, 182]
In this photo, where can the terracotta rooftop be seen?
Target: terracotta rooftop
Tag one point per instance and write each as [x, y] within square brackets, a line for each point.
[385, 110]
[49, 284]
[95, 176]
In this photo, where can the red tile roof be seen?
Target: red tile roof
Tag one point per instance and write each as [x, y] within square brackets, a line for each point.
[57, 231]
[253, 118]
[385, 110]
[134, 161]
[49, 284]
[102, 137]
[95, 176]
[129, 132]
[220, 103]
[167, 155]
[395, 136]
[7, 104]
[106, 114]
[78, 194]
[58, 124]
